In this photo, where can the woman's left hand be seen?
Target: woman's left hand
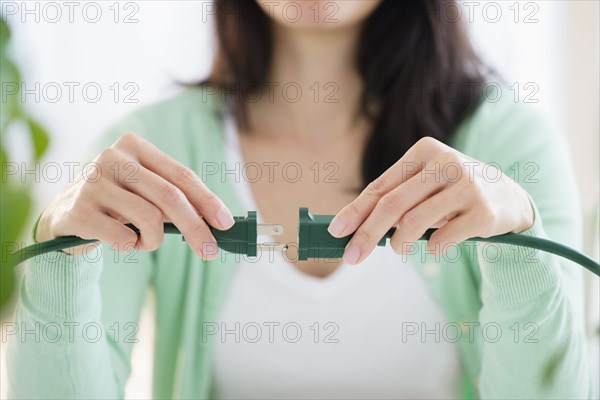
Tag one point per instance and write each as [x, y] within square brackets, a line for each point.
[433, 186]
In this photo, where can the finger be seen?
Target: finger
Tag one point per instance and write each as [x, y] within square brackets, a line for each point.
[82, 249]
[454, 232]
[440, 223]
[444, 220]
[413, 224]
[175, 205]
[386, 214]
[184, 178]
[134, 209]
[405, 170]
[106, 229]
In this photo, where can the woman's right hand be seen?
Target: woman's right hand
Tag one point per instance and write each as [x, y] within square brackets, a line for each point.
[134, 182]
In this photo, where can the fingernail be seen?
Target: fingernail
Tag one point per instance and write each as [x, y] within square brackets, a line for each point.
[351, 254]
[225, 218]
[336, 227]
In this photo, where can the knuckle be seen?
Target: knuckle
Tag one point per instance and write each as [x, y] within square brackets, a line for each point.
[409, 224]
[376, 188]
[197, 228]
[389, 204]
[363, 236]
[92, 172]
[86, 190]
[184, 175]
[350, 212]
[198, 235]
[108, 156]
[449, 157]
[153, 217]
[170, 195]
[212, 200]
[127, 139]
[427, 142]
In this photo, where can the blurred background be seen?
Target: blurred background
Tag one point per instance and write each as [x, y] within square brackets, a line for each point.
[86, 64]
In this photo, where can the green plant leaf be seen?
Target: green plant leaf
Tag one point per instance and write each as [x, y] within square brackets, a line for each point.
[10, 79]
[14, 210]
[39, 138]
[15, 206]
[4, 32]
[7, 283]
[15, 198]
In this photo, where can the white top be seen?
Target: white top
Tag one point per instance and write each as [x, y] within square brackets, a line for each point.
[354, 334]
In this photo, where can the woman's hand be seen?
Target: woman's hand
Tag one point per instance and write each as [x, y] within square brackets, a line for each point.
[433, 186]
[133, 181]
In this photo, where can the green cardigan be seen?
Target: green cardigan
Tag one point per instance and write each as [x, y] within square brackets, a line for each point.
[520, 311]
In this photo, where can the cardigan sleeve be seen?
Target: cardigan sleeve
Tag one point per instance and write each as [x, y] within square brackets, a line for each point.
[76, 317]
[532, 315]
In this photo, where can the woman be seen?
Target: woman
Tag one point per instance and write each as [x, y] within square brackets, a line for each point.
[387, 118]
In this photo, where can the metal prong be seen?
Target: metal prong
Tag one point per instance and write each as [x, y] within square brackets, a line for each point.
[271, 246]
[269, 229]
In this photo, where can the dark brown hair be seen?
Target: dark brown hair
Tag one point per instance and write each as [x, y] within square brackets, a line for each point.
[419, 70]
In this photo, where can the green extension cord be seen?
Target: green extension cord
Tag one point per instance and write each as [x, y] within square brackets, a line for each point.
[241, 238]
[314, 241]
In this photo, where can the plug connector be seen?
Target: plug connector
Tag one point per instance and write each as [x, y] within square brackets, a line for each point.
[242, 237]
[315, 241]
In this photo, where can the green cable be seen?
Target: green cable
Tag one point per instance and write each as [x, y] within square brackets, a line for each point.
[541, 244]
[64, 242]
[314, 241]
[239, 239]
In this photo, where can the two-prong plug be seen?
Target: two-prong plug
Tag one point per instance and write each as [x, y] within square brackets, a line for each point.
[242, 237]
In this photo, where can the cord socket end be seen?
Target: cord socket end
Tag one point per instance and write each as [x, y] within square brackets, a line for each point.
[315, 241]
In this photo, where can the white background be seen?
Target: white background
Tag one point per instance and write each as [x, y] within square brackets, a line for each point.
[172, 41]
